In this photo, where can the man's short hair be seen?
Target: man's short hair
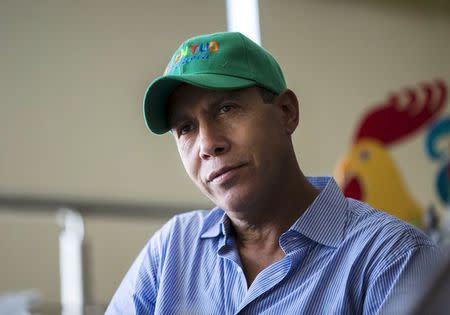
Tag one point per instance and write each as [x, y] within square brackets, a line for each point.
[267, 96]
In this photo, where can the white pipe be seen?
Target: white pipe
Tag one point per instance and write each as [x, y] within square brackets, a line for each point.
[71, 261]
[243, 16]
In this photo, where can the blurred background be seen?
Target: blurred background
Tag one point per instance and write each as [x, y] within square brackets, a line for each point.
[72, 135]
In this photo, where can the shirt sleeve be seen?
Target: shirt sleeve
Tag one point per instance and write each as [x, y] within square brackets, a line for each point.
[138, 290]
[397, 286]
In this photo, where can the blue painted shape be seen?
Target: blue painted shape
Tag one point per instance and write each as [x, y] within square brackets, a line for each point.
[443, 184]
[437, 131]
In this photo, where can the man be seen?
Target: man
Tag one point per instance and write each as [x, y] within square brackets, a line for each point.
[277, 242]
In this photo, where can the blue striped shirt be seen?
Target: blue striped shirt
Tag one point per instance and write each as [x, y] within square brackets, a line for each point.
[341, 257]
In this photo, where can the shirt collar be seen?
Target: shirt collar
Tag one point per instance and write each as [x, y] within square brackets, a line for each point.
[213, 225]
[323, 221]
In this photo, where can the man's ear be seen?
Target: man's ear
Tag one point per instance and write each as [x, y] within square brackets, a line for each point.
[288, 103]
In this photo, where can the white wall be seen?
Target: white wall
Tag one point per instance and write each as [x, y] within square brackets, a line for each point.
[72, 80]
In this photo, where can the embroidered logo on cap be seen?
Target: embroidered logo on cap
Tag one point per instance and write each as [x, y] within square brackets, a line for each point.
[188, 53]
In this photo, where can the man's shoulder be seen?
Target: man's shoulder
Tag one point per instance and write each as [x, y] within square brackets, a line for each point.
[192, 223]
[198, 217]
[376, 225]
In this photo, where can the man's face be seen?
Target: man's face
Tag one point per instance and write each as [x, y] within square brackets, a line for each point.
[231, 143]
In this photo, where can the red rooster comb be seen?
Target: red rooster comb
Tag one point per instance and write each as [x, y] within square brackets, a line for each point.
[397, 118]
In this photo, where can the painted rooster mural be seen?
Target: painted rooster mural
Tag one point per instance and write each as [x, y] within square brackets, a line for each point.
[368, 172]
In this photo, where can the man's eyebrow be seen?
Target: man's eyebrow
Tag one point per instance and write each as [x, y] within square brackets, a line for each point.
[175, 117]
[228, 96]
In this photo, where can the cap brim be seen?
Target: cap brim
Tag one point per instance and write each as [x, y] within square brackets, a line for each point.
[155, 100]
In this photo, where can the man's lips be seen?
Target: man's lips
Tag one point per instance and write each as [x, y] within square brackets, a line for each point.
[221, 171]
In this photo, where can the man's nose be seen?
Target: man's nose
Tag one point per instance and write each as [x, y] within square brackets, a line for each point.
[213, 141]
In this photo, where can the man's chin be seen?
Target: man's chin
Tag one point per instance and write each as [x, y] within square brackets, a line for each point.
[236, 202]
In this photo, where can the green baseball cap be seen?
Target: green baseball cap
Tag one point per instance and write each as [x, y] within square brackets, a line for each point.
[218, 61]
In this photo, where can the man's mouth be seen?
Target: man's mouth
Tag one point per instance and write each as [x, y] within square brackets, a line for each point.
[222, 171]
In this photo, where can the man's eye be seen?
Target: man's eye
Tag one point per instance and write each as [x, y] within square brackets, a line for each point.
[225, 108]
[185, 129]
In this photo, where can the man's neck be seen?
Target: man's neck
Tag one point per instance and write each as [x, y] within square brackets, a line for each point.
[257, 236]
[271, 219]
